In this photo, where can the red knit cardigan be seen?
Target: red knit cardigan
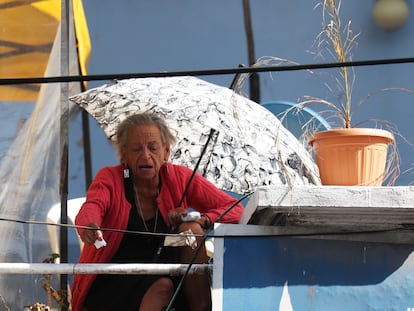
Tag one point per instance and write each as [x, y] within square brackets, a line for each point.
[107, 205]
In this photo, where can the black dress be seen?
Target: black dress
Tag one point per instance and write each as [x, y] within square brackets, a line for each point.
[125, 292]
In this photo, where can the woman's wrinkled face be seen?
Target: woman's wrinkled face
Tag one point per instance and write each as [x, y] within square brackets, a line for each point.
[144, 152]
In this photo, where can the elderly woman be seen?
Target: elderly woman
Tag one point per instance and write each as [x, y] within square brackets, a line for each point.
[142, 195]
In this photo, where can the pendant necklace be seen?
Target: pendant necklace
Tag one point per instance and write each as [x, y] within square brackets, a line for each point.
[138, 204]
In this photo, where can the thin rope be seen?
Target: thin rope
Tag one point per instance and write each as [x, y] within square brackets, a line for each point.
[401, 227]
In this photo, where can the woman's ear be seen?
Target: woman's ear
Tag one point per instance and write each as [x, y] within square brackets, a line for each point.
[122, 156]
[167, 152]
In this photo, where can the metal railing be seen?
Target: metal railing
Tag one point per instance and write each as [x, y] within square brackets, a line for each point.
[130, 268]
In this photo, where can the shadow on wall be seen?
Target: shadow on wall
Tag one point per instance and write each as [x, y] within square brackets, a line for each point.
[304, 261]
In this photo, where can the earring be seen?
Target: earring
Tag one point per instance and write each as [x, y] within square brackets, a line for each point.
[126, 172]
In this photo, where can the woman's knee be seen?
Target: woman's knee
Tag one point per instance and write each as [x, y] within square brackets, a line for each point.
[158, 294]
[194, 226]
[163, 286]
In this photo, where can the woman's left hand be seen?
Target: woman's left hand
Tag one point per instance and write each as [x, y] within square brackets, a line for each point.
[204, 222]
[175, 216]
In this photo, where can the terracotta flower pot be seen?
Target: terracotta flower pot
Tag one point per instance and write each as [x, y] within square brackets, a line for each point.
[351, 156]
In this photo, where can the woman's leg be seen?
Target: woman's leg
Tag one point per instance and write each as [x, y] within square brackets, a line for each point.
[158, 295]
[196, 286]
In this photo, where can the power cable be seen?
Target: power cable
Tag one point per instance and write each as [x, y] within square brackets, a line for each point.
[200, 246]
[401, 227]
[206, 72]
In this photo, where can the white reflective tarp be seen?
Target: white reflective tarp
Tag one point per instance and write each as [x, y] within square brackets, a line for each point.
[30, 173]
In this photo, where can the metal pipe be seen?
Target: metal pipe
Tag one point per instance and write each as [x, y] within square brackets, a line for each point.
[130, 268]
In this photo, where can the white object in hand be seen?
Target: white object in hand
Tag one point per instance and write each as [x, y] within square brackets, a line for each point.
[185, 238]
[191, 216]
[100, 243]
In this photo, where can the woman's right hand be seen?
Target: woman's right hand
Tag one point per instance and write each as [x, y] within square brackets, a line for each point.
[89, 236]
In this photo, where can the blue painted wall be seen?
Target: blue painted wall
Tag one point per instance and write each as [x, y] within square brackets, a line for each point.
[157, 35]
[319, 274]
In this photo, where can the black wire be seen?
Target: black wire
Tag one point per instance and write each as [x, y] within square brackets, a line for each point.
[236, 77]
[33, 222]
[200, 246]
[401, 227]
[224, 71]
[212, 131]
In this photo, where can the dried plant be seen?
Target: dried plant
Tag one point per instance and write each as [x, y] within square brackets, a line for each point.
[338, 41]
[341, 40]
[52, 294]
[335, 41]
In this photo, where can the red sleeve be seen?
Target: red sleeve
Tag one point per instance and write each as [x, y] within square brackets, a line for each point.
[206, 198]
[106, 191]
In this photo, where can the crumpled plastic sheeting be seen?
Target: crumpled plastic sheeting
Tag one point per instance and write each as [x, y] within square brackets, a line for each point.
[30, 178]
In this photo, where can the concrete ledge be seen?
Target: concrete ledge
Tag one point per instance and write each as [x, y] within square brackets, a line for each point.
[386, 211]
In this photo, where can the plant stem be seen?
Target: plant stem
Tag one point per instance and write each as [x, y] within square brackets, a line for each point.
[333, 32]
